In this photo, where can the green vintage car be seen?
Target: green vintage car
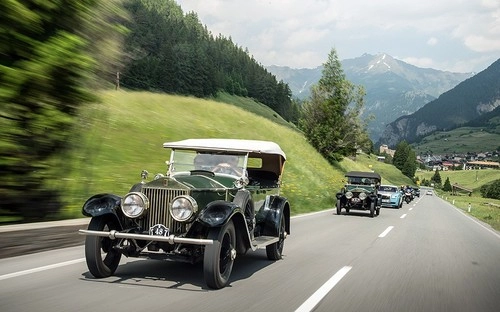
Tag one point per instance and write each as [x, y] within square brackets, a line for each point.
[218, 199]
[360, 193]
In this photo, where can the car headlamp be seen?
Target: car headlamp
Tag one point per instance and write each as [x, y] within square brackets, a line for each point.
[348, 195]
[362, 196]
[134, 204]
[183, 208]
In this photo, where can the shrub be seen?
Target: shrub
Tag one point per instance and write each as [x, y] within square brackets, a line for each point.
[491, 190]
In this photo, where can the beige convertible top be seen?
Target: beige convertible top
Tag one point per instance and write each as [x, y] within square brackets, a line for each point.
[229, 145]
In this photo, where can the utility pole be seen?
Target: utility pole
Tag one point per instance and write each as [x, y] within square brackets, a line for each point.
[117, 82]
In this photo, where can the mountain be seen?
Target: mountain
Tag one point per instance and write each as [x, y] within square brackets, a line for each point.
[473, 102]
[393, 88]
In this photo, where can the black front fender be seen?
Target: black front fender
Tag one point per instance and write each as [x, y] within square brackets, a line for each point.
[217, 213]
[101, 204]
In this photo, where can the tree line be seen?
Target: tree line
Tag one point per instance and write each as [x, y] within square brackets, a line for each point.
[169, 51]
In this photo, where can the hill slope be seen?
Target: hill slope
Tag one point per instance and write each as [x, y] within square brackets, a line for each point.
[123, 135]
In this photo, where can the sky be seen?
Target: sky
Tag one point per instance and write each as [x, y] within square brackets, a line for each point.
[450, 35]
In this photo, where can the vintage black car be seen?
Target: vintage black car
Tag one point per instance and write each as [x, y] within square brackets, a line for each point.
[360, 193]
[218, 199]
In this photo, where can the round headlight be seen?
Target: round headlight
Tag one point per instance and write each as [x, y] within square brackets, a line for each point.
[362, 196]
[183, 208]
[134, 205]
[348, 195]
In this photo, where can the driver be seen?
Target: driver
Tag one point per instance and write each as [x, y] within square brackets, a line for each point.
[229, 165]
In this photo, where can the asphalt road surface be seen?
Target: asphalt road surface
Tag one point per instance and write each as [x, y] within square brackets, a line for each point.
[426, 256]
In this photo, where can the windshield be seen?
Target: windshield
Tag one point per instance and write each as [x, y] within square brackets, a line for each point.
[183, 160]
[385, 188]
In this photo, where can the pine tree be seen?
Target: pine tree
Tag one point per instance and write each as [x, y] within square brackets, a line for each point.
[436, 178]
[447, 185]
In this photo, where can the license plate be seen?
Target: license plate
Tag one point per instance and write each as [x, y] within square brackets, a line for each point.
[159, 230]
[385, 200]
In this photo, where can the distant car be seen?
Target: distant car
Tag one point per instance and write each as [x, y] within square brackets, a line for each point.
[429, 192]
[360, 193]
[391, 196]
[219, 198]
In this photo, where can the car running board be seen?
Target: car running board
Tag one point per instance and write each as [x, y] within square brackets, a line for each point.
[263, 241]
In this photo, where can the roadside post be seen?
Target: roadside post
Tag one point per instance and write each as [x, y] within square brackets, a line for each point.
[468, 209]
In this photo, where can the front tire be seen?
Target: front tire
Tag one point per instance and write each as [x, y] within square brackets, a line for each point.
[372, 209]
[339, 207]
[102, 259]
[219, 258]
[275, 250]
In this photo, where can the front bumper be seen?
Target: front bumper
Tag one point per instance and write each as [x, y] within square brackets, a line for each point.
[172, 239]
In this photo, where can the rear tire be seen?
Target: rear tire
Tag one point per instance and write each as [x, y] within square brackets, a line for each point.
[275, 250]
[219, 258]
[102, 259]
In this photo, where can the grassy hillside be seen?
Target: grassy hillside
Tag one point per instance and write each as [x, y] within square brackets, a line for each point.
[123, 135]
[471, 179]
[460, 140]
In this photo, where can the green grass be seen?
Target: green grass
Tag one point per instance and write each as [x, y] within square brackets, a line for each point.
[123, 134]
[460, 140]
[484, 209]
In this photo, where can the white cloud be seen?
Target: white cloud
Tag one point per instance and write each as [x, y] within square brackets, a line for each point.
[432, 41]
[300, 33]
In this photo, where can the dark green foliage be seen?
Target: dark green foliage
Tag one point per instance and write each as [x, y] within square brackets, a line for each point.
[405, 159]
[174, 53]
[491, 190]
[44, 64]
[436, 178]
[410, 165]
[447, 185]
[425, 182]
[330, 118]
[401, 154]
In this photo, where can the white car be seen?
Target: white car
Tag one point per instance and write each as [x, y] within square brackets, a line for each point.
[429, 192]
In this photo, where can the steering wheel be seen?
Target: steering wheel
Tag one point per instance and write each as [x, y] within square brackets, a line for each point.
[225, 168]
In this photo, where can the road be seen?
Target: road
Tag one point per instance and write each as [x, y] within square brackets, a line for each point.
[426, 256]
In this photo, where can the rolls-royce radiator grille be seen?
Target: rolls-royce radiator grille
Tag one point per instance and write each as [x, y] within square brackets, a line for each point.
[159, 200]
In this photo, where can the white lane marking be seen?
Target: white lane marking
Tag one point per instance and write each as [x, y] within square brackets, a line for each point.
[403, 216]
[39, 269]
[312, 301]
[410, 209]
[384, 233]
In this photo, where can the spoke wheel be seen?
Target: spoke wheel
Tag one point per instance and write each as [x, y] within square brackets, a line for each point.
[102, 259]
[275, 250]
[219, 257]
